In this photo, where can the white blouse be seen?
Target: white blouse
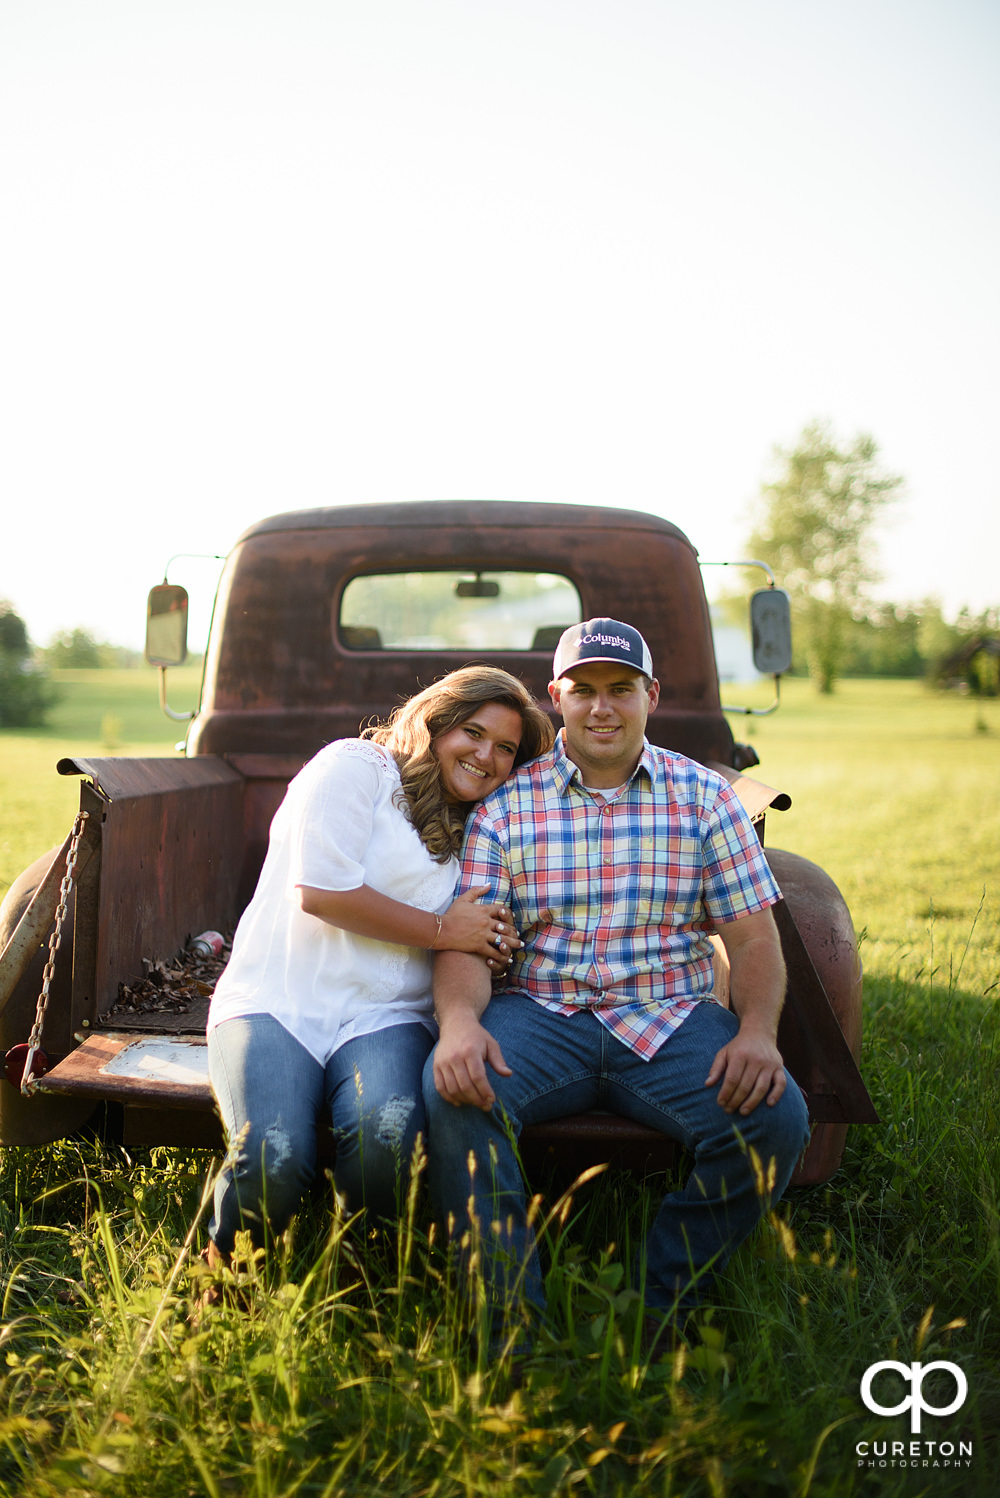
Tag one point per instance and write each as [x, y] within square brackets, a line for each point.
[337, 828]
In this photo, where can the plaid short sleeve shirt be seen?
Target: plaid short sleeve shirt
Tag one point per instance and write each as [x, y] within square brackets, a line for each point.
[615, 900]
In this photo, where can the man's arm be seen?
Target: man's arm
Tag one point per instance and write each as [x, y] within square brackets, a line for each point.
[750, 1066]
[461, 994]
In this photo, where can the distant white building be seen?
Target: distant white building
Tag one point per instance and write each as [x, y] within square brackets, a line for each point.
[733, 653]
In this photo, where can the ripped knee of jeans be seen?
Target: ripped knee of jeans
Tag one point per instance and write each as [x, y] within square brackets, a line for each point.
[392, 1120]
[277, 1150]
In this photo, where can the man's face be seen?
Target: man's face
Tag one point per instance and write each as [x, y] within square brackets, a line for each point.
[604, 708]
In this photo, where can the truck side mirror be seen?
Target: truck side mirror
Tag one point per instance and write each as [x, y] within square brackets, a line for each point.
[166, 625]
[771, 627]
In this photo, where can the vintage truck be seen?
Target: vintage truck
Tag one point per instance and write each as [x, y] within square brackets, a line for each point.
[325, 619]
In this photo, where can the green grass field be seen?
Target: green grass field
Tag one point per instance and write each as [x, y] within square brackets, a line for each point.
[352, 1371]
[99, 713]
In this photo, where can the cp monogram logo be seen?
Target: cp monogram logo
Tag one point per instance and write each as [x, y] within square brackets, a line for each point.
[914, 1373]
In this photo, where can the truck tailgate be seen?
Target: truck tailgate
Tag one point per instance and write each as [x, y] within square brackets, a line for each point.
[160, 1081]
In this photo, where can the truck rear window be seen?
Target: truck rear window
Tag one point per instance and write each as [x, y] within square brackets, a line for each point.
[464, 611]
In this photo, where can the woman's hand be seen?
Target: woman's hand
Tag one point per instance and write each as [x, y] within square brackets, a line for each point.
[484, 930]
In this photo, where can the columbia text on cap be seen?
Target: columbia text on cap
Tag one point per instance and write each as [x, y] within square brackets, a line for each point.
[601, 640]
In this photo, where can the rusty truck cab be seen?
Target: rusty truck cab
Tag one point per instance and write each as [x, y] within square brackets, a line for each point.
[293, 668]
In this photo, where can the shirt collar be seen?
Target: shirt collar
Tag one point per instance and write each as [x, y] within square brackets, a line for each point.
[564, 770]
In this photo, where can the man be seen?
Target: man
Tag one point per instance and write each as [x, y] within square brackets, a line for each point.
[618, 861]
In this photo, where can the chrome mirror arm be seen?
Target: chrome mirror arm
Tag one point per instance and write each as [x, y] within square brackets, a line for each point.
[165, 707]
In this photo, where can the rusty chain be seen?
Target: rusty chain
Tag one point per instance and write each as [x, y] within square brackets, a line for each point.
[28, 1082]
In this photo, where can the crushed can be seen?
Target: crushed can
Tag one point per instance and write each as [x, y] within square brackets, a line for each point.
[208, 944]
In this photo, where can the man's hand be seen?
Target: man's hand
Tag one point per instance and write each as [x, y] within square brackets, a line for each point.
[752, 1070]
[460, 1064]
[461, 994]
[750, 1066]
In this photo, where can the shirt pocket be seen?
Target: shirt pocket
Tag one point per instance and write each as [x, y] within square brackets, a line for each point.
[668, 883]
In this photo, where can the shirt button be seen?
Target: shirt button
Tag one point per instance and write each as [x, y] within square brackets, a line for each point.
[607, 910]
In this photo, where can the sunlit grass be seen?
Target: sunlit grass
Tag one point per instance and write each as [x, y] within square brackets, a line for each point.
[99, 713]
[894, 792]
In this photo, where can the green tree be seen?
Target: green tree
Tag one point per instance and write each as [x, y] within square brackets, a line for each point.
[813, 526]
[970, 653]
[26, 691]
[78, 650]
[13, 633]
[74, 650]
[885, 642]
[936, 638]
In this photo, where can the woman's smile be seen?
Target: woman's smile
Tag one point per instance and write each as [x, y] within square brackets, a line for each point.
[478, 755]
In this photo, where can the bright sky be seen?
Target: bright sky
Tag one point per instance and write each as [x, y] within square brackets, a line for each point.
[258, 255]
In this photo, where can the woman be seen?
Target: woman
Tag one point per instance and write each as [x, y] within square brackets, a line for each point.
[324, 1011]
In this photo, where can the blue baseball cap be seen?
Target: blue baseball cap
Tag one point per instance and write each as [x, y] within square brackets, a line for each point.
[601, 640]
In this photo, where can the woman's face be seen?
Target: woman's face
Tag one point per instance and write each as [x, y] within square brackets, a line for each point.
[478, 755]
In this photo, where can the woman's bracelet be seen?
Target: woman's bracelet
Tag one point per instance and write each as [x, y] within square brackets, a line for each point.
[437, 935]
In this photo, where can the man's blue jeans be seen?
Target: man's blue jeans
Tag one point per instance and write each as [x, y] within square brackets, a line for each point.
[267, 1083]
[569, 1064]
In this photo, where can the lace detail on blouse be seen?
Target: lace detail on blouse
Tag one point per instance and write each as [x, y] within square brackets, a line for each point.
[430, 891]
[391, 970]
[373, 753]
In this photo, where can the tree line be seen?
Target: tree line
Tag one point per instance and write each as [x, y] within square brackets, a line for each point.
[27, 687]
[813, 524]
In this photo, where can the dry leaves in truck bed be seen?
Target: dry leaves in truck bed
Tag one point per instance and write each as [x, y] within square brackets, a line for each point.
[170, 987]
